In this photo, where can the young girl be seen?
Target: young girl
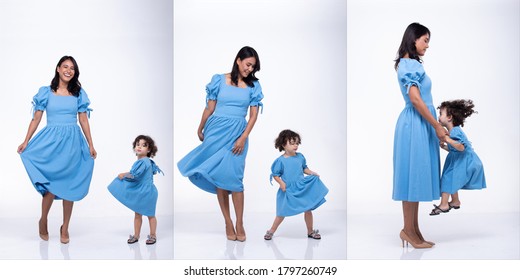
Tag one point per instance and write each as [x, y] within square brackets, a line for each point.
[462, 168]
[297, 193]
[135, 189]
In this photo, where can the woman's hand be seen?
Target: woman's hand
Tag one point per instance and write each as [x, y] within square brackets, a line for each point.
[201, 135]
[282, 186]
[22, 147]
[239, 145]
[93, 152]
[441, 133]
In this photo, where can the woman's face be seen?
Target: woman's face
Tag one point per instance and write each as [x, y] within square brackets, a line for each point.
[422, 44]
[66, 70]
[246, 66]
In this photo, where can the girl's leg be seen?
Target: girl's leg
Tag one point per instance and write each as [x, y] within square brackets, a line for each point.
[277, 221]
[223, 201]
[445, 201]
[67, 214]
[238, 203]
[153, 227]
[47, 201]
[308, 221]
[138, 222]
[455, 202]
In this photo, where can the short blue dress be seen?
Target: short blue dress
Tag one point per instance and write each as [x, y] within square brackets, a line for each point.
[416, 157]
[57, 158]
[212, 164]
[302, 193]
[462, 170]
[137, 190]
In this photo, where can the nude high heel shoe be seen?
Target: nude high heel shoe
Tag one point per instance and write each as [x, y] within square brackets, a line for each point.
[404, 237]
[64, 240]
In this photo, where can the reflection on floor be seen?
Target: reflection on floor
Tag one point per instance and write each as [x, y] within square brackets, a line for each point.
[90, 239]
[458, 236]
[202, 236]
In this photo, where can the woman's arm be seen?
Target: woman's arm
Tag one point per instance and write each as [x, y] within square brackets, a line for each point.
[208, 111]
[33, 125]
[418, 103]
[83, 121]
[238, 148]
[280, 182]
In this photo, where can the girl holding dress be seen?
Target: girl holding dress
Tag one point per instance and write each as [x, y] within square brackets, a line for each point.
[136, 190]
[60, 159]
[417, 135]
[462, 167]
[217, 165]
[297, 193]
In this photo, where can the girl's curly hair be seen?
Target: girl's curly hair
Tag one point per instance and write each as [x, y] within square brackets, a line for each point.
[284, 136]
[459, 110]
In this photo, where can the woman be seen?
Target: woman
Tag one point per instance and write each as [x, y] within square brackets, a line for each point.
[417, 136]
[58, 159]
[217, 165]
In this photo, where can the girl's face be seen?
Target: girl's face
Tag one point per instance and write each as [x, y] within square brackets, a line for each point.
[141, 149]
[66, 71]
[291, 146]
[246, 66]
[444, 119]
[422, 44]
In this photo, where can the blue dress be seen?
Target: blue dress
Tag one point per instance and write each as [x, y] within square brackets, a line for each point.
[416, 157]
[57, 158]
[137, 190]
[302, 193]
[462, 170]
[212, 164]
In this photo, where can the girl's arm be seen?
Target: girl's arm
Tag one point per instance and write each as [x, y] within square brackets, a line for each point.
[83, 121]
[123, 175]
[310, 172]
[418, 104]
[280, 182]
[458, 146]
[238, 148]
[33, 125]
[208, 110]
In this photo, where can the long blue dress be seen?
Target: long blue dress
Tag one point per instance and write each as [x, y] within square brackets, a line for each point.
[212, 164]
[57, 158]
[462, 170]
[137, 191]
[302, 193]
[416, 157]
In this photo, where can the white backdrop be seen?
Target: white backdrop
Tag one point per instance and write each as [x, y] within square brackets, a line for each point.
[473, 54]
[302, 50]
[124, 53]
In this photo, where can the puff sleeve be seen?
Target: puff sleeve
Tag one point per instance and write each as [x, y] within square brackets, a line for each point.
[256, 96]
[83, 103]
[457, 135]
[276, 169]
[410, 73]
[39, 102]
[213, 88]
[136, 172]
[304, 162]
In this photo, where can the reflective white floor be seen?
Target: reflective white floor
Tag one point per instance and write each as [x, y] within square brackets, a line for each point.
[458, 236]
[202, 236]
[90, 239]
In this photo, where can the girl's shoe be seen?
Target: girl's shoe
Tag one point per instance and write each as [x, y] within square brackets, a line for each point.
[132, 239]
[151, 240]
[453, 206]
[315, 234]
[268, 235]
[404, 237]
[437, 210]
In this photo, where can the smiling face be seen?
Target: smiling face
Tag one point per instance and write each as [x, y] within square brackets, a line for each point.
[66, 71]
[422, 44]
[246, 66]
[141, 149]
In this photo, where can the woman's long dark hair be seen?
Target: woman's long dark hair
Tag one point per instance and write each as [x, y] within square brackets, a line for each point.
[244, 53]
[74, 85]
[413, 32]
